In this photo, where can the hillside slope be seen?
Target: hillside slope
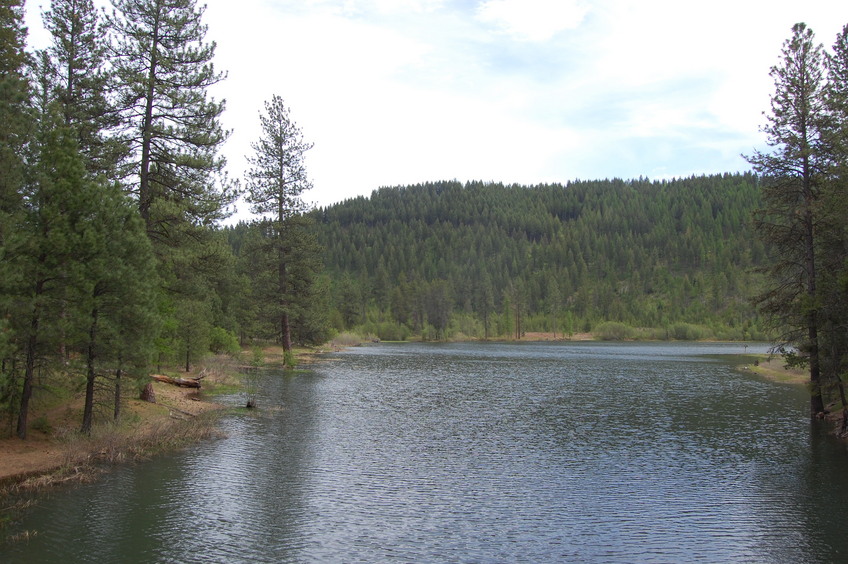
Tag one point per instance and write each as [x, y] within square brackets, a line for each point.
[490, 258]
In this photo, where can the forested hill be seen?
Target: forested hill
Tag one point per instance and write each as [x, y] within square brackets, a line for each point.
[490, 259]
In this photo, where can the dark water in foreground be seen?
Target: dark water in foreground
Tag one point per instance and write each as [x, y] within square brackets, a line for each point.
[481, 453]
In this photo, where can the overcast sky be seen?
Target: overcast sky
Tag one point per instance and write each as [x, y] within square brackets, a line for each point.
[396, 92]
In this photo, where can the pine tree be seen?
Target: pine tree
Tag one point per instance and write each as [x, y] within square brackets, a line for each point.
[164, 68]
[834, 233]
[78, 55]
[73, 285]
[793, 173]
[16, 127]
[308, 293]
[51, 198]
[485, 302]
[277, 176]
[114, 289]
[192, 272]
[15, 118]
[836, 92]
[275, 182]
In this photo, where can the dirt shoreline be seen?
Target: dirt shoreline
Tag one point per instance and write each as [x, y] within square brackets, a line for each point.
[178, 417]
[64, 450]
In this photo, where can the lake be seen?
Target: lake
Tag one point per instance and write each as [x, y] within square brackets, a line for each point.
[480, 452]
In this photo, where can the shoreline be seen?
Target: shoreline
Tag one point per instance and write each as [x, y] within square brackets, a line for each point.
[55, 453]
[772, 368]
[147, 429]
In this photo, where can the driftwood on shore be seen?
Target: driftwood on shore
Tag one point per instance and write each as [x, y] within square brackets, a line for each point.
[181, 382]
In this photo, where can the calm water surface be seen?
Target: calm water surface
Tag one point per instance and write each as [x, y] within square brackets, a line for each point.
[481, 453]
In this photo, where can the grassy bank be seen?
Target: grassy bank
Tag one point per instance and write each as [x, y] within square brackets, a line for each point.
[80, 458]
[773, 367]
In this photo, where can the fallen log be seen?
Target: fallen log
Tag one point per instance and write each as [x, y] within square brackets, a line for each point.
[181, 382]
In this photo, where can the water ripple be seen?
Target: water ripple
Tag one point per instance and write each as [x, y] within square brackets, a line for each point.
[484, 453]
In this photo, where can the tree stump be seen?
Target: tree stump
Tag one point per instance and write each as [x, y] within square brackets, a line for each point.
[147, 394]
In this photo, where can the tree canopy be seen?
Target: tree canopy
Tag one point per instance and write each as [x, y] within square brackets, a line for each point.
[648, 254]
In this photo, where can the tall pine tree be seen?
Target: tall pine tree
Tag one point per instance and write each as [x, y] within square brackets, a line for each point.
[51, 199]
[275, 182]
[15, 122]
[834, 232]
[114, 285]
[164, 69]
[16, 125]
[78, 55]
[793, 173]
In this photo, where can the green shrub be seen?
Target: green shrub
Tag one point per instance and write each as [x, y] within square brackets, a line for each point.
[258, 357]
[388, 331]
[384, 331]
[614, 331]
[347, 339]
[222, 341]
[688, 332]
[43, 425]
[289, 360]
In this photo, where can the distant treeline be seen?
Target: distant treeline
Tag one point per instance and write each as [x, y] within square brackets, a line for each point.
[622, 258]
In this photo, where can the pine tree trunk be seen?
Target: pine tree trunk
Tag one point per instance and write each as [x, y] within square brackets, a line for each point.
[286, 337]
[188, 355]
[118, 373]
[145, 196]
[88, 409]
[843, 430]
[285, 325]
[816, 400]
[29, 367]
[29, 374]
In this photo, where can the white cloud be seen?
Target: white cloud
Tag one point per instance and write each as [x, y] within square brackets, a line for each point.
[533, 20]
[371, 7]
[414, 6]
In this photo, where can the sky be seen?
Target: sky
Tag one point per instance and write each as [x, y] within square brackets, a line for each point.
[398, 92]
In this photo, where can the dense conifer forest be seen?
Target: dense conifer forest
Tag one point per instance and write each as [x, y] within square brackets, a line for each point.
[623, 258]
